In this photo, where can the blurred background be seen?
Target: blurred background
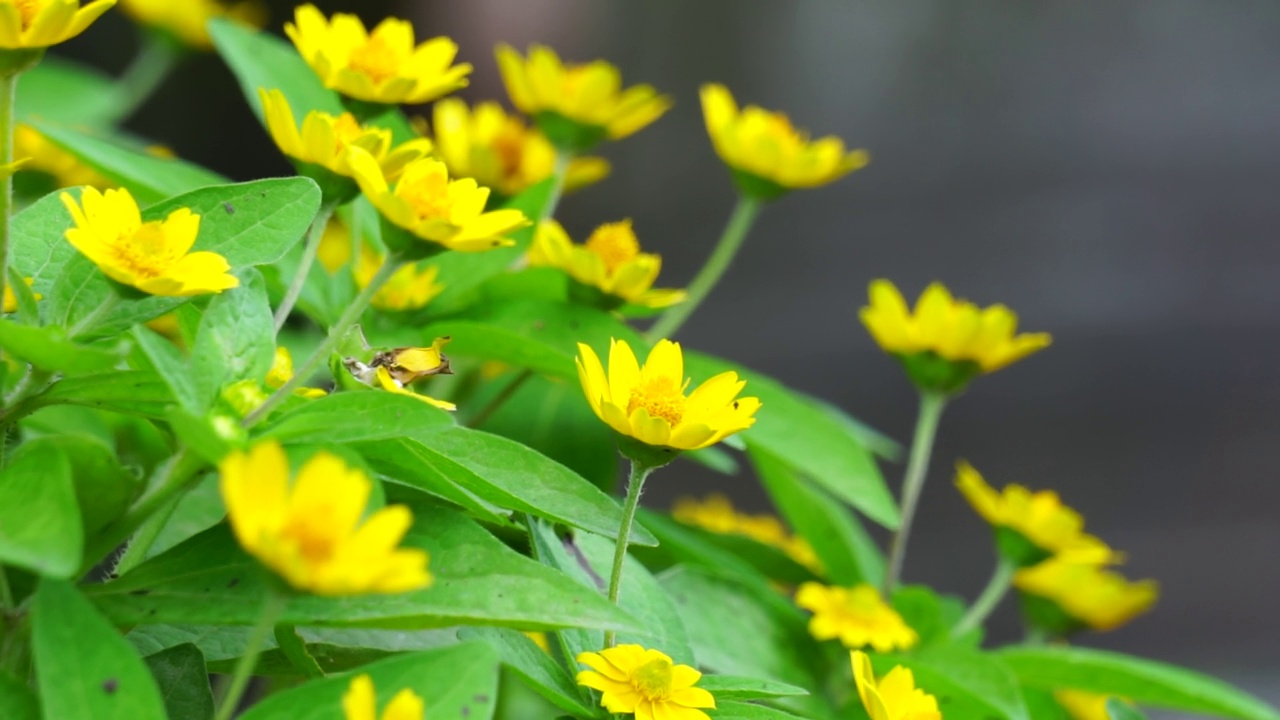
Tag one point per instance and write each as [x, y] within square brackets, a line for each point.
[1108, 170]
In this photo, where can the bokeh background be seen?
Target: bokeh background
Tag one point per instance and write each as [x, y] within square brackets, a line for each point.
[1110, 170]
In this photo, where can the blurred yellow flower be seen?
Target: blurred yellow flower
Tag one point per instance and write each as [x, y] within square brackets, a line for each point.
[717, 514]
[153, 257]
[383, 66]
[361, 703]
[188, 20]
[335, 246]
[309, 532]
[645, 683]
[1082, 705]
[855, 616]
[577, 105]
[43, 156]
[409, 288]
[895, 696]
[773, 155]
[41, 23]
[1041, 525]
[946, 341]
[282, 372]
[11, 299]
[609, 261]
[649, 403]
[449, 213]
[540, 639]
[500, 151]
[1083, 595]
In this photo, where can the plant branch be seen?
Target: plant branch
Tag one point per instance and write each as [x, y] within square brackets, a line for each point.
[635, 484]
[931, 405]
[989, 599]
[309, 251]
[272, 609]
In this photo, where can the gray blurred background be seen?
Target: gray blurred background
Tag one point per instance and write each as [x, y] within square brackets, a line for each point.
[1109, 170]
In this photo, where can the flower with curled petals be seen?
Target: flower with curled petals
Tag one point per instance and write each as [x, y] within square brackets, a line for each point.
[28, 24]
[361, 703]
[645, 683]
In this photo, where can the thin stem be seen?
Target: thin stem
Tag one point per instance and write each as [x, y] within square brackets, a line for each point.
[157, 57]
[8, 94]
[558, 175]
[309, 251]
[931, 404]
[989, 599]
[740, 222]
[349, 318]
[500, 399]
[86, 322]
[635, 484]
[271, 611]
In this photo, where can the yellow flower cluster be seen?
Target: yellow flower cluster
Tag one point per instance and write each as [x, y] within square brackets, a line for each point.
[609, 262]
[645, 683]
[717, 514]
[858, 617]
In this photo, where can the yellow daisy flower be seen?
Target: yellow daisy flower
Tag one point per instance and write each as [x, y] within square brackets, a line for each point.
[609, 262]
[649, 403]
[768, 155]
[309, 531]
[282, 372]
[11, 299]
[361, 703]
[1031, 527]
[409, 288]
[855, 616]
[645, 683]
[500, 151]
[577, 105]
[43, 156]
[895, 696]
[41, 23]
[1082, 705]
[1064, 596]
[153, 257]
[384, 66]
[947, 341]
[717, 514]
[188, 20]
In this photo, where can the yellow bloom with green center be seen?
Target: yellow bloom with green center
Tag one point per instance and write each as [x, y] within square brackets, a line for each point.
[434, 208]
[361, 703]
[11, 299]
[310, 531]
[717, 514]
[768, 155]
[649, 403]
[893, 697]
[42, 156]
[855, 616]
[188, 20]
[154, 257]
[946, 341]
[409, 288]
[1031, 527]
[577, 105]
[645, 683]
[1082, 705]
[500, 151]
[1063, 596]
[383, 66]
[609, 261]
[282, 372]
[41, 23]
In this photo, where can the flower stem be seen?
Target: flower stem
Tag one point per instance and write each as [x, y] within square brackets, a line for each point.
[349, 318]
[500, 399]
[558, 175]
[931, 404]
[8, 94]
[157, 57]
[271, 611]
[309, 251]
[740, 222]
[991, 596]
[635, 484]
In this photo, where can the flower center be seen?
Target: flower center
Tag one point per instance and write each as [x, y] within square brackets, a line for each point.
[660, 397]
[310, 533]
[508, 145]
[28, 9]
[146, 252]
[376, 59]
[345, 129]
[428, 196]
[653, 679]
[615, 244]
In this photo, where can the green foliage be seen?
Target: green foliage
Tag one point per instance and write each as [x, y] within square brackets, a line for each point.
[40, 526]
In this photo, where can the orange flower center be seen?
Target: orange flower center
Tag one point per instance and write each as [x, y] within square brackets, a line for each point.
[428, 196]
[652, 680]
[144, 252]
[661, 397]
[508, 145]
[377, 59]
[28, 9]
[615, 244]
[311, 533]
[346, 129]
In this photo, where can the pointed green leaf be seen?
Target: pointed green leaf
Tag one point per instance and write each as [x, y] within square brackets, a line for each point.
[236, 339]
[103, 489]
[40, 527]
[261, 60]
[348, 417]
[1121, 710]
[167, 361]
[732, 687]
[48, 349]
[132, 392]
[536, 668]
[183, 680]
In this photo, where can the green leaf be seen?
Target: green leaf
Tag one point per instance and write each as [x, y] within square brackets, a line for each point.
[535, 667]
[294, 648]
[732, 687]
[103, 489]
[679, 543]
[1121, 710]
[457, 683]
[408, 467]
[40, 527]
[745, 711]
[85, 670]
[132, 392]
[1143, 681]
[65, 91]
[199, 509]
[348, 417]
[199, 434]
[261, 60]
[17, 701]
[932, 615]
[972, 682]
[168, 363]
[1041, 705]
[236, 338]
[48, 349]
[183, 680]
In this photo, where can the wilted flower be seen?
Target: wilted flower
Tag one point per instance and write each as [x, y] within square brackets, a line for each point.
[855, 616]
[609, 262]
[644, 683]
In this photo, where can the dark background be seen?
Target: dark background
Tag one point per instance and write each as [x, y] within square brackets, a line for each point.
[1108, 170]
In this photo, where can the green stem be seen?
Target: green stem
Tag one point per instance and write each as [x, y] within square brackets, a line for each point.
[348, 318]
[931, 404]
[990, 597]
[86, 322]
[740, 222]
[500, 399]
[558, 175]
[272, 609]
[157, 57]
[8, 95]
[635, 484]
[309, 251]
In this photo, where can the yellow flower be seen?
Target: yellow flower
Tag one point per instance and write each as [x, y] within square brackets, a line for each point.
[335, 246]
[577, 105]
[188, 20]
[773, 155]
[449, 213]
[649, 403]
[947, 341]
[500, 151]
[856, 616]
[717, 514]
[1082, 594]
[610, 262]
[309, 532]
[45, 157]
[383, 66]
[361, 703]
[1082, 705]
[153, 257]
[1040, 524]
[282, 372]
[409, 288]
[41, 23]
[895, 696]
[11, 300]
[644, 683]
